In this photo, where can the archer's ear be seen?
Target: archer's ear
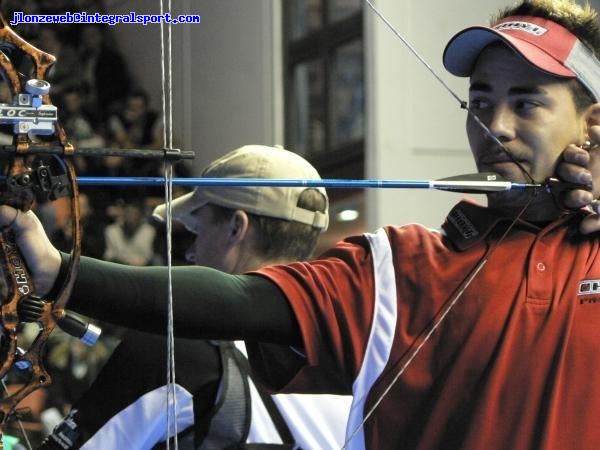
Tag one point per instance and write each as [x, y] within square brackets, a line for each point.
[592, 115]
[238, 227]
[591, 132]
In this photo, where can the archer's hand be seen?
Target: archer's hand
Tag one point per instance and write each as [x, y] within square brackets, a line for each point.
[582, 166]
[42, 258]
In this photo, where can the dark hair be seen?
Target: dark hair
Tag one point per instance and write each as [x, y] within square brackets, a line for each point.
[280, 238]
[581, 96]
[137, 92]
[582, 21]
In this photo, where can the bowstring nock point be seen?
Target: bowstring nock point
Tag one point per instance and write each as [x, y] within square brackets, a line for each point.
[176, 154]
[172, 154]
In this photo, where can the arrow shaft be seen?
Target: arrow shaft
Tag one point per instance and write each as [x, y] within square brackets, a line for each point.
[455, 185]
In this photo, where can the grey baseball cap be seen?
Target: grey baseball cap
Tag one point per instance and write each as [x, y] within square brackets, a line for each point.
[253, 161]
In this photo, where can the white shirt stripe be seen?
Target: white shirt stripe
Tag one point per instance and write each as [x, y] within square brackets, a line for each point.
[381, 337]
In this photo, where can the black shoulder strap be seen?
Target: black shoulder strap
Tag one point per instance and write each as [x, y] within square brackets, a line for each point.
[231, 418]
[230, 421]
[276, 417]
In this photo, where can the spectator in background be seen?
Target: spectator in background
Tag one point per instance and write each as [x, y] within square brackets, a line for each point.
[136, 125]
[130, 240]
[77, 122]
[92, 241]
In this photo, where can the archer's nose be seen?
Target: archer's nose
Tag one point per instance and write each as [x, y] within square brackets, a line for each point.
[502, 123]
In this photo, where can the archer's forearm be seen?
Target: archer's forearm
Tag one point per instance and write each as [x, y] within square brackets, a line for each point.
[208, 304]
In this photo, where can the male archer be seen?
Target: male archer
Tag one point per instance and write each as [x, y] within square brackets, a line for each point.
[237, 229]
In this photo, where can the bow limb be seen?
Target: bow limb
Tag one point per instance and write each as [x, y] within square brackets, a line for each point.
[42, 61]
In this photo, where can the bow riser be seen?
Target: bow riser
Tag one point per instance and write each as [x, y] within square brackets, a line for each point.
[21, 287]
[18, 285]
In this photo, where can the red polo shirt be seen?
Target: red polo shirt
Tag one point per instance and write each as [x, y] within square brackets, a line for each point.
[512, 366]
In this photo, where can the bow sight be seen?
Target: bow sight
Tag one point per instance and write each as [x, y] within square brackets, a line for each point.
[27, 113]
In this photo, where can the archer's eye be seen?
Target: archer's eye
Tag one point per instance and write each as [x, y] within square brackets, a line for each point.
[526, 105]
[478, 103]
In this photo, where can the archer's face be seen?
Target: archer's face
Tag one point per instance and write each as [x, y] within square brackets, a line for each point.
[533, 114]
[210, 246]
